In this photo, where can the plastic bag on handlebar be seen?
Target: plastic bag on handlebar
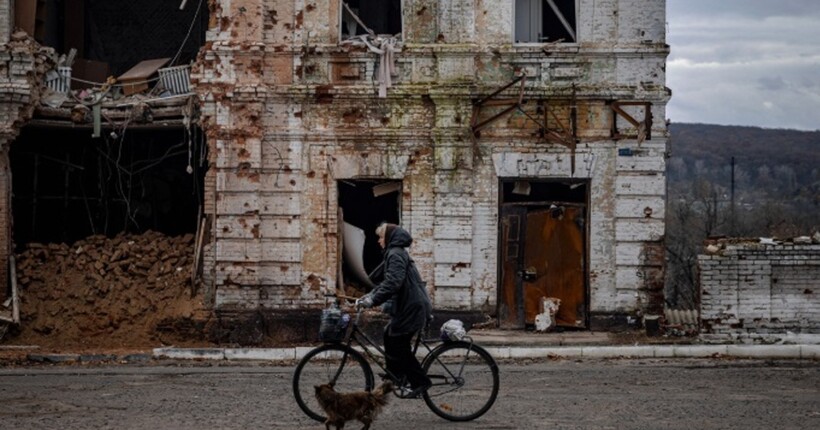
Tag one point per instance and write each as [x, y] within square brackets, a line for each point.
[333, 324]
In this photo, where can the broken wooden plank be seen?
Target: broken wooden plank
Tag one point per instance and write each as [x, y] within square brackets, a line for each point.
[135, 80]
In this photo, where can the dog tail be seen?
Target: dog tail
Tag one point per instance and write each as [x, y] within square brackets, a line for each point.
[380, 393]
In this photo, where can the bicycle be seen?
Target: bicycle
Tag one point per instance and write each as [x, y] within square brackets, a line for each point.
[464, 375]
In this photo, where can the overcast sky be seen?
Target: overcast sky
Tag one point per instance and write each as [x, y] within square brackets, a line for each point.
[745, 62]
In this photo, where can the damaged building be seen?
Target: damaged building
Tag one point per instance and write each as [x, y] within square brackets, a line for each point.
[521, 142]
[100, 131]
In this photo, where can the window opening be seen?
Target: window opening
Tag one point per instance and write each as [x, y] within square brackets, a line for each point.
[373, 17]
[573, 191]
[544, 21]
[364, 204]
[108, 38]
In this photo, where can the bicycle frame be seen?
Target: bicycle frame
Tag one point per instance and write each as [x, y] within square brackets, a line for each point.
[366, 344]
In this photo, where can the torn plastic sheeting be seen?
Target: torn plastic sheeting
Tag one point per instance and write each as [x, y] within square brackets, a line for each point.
[353, 240]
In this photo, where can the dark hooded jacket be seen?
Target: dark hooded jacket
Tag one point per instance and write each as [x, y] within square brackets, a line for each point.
[402, 284]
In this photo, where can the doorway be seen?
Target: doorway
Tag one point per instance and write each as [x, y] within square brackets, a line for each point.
[363, 205]
[543, 238]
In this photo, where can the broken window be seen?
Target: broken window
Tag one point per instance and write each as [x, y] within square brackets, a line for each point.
[544, 21]
[363, 205]
[110, 37]
[374, 17]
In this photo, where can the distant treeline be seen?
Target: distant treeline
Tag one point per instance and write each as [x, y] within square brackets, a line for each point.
[769, 163]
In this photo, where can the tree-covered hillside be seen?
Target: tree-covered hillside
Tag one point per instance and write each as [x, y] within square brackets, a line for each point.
[776, 192]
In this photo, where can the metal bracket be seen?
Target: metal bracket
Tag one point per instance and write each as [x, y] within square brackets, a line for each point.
[643, 128]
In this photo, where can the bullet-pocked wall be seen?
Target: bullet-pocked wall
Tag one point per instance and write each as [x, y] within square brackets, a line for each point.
[295, 101]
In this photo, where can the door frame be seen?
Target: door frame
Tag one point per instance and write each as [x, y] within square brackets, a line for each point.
[541, 204]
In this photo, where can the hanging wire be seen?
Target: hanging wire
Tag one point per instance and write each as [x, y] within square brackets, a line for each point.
[190, 29]
[172, 63]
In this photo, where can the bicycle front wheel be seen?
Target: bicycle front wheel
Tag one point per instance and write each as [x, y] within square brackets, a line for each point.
[465, 381]
[339, 365]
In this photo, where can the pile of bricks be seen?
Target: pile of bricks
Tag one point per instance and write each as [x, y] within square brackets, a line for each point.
[119, 287]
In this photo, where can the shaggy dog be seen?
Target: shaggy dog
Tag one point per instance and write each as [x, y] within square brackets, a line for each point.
[361, 405]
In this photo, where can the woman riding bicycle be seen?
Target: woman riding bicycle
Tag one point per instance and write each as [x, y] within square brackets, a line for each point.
[410, 311]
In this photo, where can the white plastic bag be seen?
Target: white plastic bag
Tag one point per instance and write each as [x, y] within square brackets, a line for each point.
[453, 330]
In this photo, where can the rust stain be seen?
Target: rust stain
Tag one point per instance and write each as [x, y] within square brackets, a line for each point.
[314, 282]
[352, 116]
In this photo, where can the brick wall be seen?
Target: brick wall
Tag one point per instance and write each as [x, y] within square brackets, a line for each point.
[22, 65]
[314, 118]
[752, 291]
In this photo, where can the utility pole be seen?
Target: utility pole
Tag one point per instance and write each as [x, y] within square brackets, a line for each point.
[732, 230]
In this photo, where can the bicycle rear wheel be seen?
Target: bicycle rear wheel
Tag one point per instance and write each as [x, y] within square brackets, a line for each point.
[465, 381]
[339, 365]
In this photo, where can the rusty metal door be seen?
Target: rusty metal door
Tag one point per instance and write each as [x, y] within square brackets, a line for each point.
[542, 253]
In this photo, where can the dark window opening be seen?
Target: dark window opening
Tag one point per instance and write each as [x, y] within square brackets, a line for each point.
[364, 205]
[67, 186]
[380, 16]
[111, 36]
[544, 21]
[540, 191]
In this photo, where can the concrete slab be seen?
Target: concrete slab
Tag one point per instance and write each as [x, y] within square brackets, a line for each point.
[698, 351]
[547, 352]
[272, 354]
[499, 352]
[190, 353]
[810, 351]
[301, 351]
[618, 351]
[764, 351]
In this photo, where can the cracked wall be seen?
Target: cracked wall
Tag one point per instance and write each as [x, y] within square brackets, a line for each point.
[289, 111]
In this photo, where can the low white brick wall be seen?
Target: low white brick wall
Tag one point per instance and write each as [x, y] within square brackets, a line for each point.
[757, 292]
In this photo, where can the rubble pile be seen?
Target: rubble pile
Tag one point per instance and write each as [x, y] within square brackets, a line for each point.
[105, 292]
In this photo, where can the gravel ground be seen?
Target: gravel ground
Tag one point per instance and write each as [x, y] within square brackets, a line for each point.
[537, 394]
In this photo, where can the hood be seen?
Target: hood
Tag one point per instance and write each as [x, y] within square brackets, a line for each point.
[399, 238]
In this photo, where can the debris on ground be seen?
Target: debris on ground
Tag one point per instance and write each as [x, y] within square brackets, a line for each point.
[105, 292]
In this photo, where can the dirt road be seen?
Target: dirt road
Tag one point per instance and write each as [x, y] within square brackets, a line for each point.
[590, 394]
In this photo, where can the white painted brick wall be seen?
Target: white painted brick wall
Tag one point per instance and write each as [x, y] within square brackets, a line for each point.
[271, 190]
[753, 289]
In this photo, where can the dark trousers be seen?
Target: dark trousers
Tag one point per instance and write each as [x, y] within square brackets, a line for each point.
[401, 362]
